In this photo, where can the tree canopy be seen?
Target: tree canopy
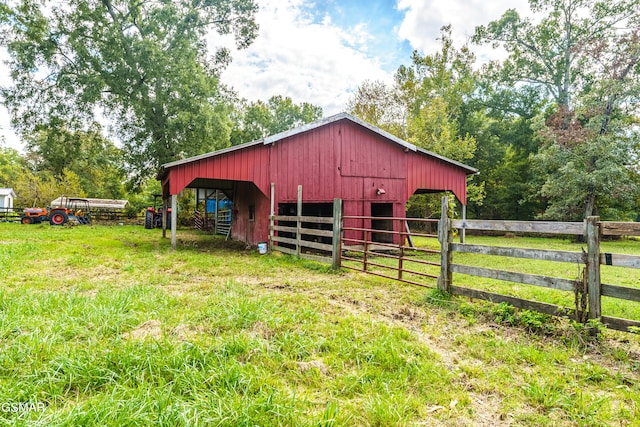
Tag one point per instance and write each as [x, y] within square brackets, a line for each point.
[145, 66]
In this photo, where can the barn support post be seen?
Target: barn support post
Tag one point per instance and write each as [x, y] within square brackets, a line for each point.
[445, 236]
[272, 214]
[299, 222]
[215, 215]
[593, 266]
[174, 220]
[336, 252]
[463, 230]
[164, 218]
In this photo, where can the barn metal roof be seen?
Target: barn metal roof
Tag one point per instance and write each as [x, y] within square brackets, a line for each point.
[310, 126]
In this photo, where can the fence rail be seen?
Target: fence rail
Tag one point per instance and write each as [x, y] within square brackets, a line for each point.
[588, 288]
[372, 247]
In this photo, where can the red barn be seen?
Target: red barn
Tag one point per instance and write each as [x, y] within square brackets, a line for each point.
[372, 171]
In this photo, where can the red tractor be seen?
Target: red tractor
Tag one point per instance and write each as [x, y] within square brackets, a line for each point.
[153, 215]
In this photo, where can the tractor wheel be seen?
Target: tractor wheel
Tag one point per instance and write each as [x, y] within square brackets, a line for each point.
[148, 219]
[26, 220]
[58, 218]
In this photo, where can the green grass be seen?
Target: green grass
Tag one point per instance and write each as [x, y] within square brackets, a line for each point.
[109, 326]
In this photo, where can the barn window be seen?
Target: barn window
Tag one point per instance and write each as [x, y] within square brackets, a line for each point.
[252, 212]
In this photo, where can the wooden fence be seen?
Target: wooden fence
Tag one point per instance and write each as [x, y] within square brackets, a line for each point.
[588, 290]
[311, 237]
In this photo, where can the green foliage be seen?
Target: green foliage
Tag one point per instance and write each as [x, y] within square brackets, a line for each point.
[584, 56]
[259, 120]
[144, 64]
[12, 167]
[42, 188]
[97, 162]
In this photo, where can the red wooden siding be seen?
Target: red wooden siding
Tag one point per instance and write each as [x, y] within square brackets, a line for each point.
[250, 165]
[339, 158]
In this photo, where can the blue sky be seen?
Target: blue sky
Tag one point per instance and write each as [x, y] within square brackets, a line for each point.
[320, 51]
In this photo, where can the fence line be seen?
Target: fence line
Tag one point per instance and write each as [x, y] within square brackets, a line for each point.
[588, 290]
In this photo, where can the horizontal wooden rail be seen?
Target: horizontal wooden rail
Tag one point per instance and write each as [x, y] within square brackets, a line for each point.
[307, 231]
[304, 243]
[619, 324]
[541, 254]
[311, 219]
[620, 292]
[426, 220]
[608, 228]
[545, 227]
[617, 260]
[542, 307]
[508, 276]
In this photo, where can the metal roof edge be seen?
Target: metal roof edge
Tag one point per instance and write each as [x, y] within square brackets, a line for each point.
[332, 119]
[211, 154]
[472, 170]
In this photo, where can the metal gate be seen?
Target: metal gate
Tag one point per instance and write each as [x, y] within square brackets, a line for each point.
[404, 249]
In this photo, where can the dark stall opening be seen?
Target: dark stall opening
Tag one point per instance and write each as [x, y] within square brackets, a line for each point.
[382, 210]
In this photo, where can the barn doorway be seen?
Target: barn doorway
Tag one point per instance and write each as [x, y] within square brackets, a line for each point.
[384, 211]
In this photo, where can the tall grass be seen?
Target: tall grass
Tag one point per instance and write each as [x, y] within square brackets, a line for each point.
[108, 326]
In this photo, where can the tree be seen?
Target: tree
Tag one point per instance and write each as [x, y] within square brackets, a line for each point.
[381, 105]
[585, 57]
[12, 166]
[259, 119]
[144, 65]
[97, 162]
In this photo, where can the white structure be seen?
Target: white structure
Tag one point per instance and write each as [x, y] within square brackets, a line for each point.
[6, 198]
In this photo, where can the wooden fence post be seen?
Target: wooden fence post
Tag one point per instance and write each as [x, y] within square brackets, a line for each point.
[445, 236]
[299, 222]
[593, 266]
[336, 252]
[272, 212]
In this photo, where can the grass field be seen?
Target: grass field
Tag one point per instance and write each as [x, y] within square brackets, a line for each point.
[108, 326]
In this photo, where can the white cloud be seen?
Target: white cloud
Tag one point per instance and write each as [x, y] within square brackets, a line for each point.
[306, 60]
[11, 140]
[423, 20]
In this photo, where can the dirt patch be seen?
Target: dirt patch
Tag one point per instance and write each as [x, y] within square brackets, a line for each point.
[149, 329]
[184, 332]
[313, 365]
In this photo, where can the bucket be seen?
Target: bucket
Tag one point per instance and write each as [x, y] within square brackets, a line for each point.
[262, 248]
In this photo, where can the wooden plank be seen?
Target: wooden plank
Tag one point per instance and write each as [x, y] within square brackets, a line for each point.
[619, 324]
[445, 237]
[618, 260]
[608, 228]
[281, 239]
[316, 245]
[551, 309]
[541, 254]
[284, 228]
[620, 292]
[284, 250]
[593, 267]
[336, 240]
[508, 276]
[311, 219]
[316, 232]
[546, 227]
